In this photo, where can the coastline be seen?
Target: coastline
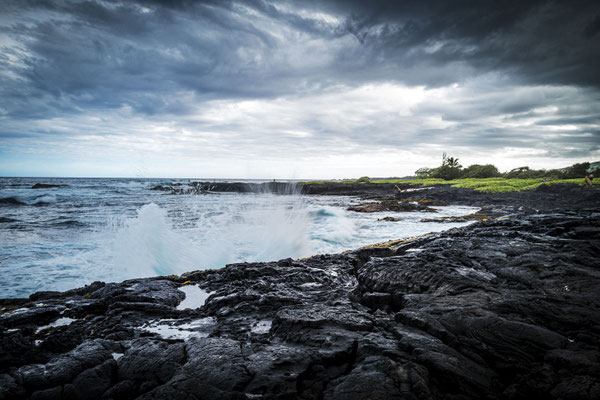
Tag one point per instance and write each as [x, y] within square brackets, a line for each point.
[504, 308]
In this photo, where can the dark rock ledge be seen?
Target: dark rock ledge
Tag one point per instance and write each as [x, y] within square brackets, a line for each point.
[47, 186]
[507, 308]
[387, 205]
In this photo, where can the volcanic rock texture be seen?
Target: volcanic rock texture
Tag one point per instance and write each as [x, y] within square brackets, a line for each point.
[507, 308]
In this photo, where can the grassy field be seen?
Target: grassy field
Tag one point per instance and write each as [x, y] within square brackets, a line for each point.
[493, 185]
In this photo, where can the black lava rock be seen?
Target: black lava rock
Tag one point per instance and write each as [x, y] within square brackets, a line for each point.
[506, 308]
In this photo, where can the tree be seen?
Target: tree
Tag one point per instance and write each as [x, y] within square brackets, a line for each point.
[577, 170]
[450, 161]
[449, 170]
[555, 174]
[481, 171]
[447, 173]
[424, 173]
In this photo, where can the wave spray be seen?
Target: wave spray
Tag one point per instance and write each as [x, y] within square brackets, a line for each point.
[255, 227]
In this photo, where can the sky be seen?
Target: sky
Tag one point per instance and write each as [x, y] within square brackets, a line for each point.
[295, 89]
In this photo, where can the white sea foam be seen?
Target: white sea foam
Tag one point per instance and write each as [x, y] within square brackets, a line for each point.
[260, 227]
[148, 245]
[46, 199]
[332, 229]
[254, 227]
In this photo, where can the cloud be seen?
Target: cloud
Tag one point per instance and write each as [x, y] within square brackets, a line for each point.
[344, 120]
[248, 79]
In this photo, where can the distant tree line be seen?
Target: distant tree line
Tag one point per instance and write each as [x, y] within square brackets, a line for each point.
[451, 169]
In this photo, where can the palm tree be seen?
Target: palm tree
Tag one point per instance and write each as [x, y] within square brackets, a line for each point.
[450, 161]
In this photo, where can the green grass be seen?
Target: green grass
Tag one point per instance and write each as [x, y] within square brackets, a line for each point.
[492, 185]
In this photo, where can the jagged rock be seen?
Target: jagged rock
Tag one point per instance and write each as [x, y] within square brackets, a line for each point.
[462, 218]
[91, 383]
[149, 363]
[504, 308]
[389, 219]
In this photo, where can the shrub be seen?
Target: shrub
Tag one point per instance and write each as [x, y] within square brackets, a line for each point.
[481, 171]
[363, 179]
[450, 169]
[424, 173]
[577, 170]
[447, 172]
[555, 174]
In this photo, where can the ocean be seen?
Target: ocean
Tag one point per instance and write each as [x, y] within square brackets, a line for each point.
[115, 229]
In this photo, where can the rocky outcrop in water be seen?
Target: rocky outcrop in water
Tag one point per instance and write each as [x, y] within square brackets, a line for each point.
[47, 186]
[353, 189]
[329, 188]
[229, 187]
[507, 308]
[387, 205]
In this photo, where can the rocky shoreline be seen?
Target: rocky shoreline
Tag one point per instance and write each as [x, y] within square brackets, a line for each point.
[506, 308]
[548, 196]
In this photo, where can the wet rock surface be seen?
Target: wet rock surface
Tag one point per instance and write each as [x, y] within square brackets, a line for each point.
[507, 308]
[47, 186]
[198, 187]
[329, 188]
[387, 205]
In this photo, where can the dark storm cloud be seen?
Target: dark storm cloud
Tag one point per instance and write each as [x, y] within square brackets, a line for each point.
[128, 52]
[535, 41]
[593, 28]
[113, 53]
[173, 60]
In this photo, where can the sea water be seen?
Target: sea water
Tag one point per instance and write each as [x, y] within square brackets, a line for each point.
[116, 229]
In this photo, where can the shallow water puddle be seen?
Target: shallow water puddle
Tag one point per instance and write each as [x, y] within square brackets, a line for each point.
[59, 322]
[311, 285]
[194, 297]
[262, 327]
[166, 329]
